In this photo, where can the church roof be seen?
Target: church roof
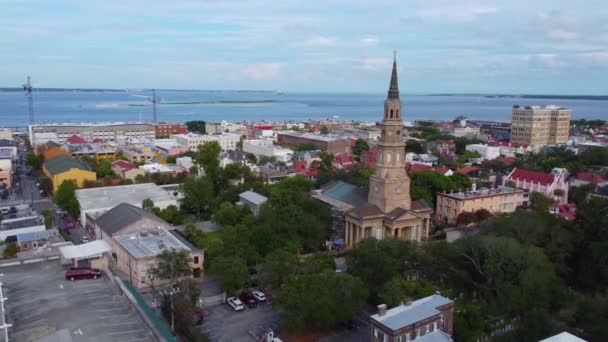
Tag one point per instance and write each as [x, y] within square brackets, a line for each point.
[420, 205]
[393, 90]
[345, 192]
[365, 211]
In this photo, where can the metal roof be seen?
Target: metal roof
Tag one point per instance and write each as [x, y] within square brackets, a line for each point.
[109, 197]
[123, 215]
[404, 315]
[150, 243]
[347, 193]
[85, 250]
[62, 163]
[253, 197]
[563, 337]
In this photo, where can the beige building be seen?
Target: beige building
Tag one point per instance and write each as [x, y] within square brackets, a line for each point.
[137, 237]
[227, 141]
[90, 131]
[389, 211]
[498, 200]
[538, 126]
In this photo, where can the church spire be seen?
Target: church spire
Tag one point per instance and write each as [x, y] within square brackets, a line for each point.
[393, 90]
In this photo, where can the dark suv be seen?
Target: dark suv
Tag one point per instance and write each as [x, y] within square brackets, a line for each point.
[77, 273]
[248, 299]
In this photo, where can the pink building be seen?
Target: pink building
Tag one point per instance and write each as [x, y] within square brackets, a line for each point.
[545, 183]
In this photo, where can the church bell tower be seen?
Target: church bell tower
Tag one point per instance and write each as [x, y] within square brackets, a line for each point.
[389, 186]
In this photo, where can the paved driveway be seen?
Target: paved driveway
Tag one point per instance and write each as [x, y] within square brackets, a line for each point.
[41, 303]
[222, 324]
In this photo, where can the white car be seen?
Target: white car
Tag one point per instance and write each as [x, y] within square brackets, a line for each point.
[259, 296]
[235, 304]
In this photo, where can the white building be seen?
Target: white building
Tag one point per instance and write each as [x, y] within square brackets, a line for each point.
[185, 162]
[266, 147]
[227, 141]
[98, 130]
[22, 220]
[96, 201]
[6, 133]
[486, 152]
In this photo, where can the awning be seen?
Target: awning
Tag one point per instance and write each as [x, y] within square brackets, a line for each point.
[85, 250]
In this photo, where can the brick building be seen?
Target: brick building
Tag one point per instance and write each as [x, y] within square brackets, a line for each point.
[325, 142]
[429, 319]
[164, 130]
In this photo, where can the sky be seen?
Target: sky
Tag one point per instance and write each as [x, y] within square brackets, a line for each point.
[469, 46]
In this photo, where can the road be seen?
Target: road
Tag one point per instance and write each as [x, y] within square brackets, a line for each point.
[26, 191]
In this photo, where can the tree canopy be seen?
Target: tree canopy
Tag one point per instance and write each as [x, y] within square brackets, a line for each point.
[65, 197]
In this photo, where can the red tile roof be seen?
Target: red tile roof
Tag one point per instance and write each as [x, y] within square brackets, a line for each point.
[567, 211]
[467, 170]
[96, 140]
[75, 139]
[417, 167]
[442, 170]
[590, 177]
[532, 176]
[123, 165]
[507, 160]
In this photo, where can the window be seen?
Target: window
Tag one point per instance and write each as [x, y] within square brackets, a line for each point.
[388, 157]
[398, 188]
[378, 234]
[196, 259]
[391, 113]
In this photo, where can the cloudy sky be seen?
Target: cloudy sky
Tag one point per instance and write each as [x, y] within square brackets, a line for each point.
[515, 46]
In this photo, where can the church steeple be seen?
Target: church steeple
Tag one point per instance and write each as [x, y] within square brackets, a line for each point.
[393, 89]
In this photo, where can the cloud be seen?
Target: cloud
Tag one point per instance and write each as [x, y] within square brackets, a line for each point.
[557, 27]
[455, 13]
[369, 41]
[320, 41]
[264, 72]
[374, 63]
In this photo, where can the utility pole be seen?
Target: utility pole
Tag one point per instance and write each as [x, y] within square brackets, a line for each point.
[4, 325]
[154, 101]
[30, 99]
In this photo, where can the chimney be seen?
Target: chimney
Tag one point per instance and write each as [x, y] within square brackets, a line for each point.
[381, 310]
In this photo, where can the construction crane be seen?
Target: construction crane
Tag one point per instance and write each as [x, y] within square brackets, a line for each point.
[154, 101]
[30, 99]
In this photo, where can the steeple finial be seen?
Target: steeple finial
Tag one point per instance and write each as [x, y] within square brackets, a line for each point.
[393, 90]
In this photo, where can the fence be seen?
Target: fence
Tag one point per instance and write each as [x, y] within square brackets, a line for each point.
[148, 312]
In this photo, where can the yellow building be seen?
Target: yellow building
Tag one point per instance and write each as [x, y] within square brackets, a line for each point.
[538, 126]
[62, 168]
[499, 200]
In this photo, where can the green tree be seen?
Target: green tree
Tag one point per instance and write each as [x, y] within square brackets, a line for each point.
[237, 242]
[360, 147]
[33, 161]
[317, 263]
[321, 300]
[48, 218]
[540, 202]
[197, 126]
[208, 157]
[278, 265]
[229, 215]
[198, 194]
[104, 169]
[324, 130]
[65, 197]
[11, 249]
[45, 183]
[232, 272]
[172, 265]
[413, 146]
[171, 214]
[392, 293]
[147, 204]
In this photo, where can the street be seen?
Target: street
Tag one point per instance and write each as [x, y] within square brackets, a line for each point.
[25, 191]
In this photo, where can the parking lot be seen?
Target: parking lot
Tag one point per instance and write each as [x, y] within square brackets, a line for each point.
[222, 324]
[41, 302]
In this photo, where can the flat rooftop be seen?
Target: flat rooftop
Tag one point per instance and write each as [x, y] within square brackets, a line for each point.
[500, 191]
[109, 197]
[22, 222]
[404, 315]
[85, 124]
[312, 136]
[150, 243]
[541, 107]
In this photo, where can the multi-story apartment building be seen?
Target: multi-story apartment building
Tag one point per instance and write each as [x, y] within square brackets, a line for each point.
[326, 142]
[267, 148]
[426, 319]
[91, 131]
[164, 130]
[227, 141]
[499, 200]
[538, 126]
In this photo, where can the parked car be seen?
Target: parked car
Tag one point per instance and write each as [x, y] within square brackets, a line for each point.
[198, 316]
[77, 273]
[60, 212]
[235, 304]
[84, 239]
[259, 296]
[43, 193]
[13, 209]
[248, 299]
